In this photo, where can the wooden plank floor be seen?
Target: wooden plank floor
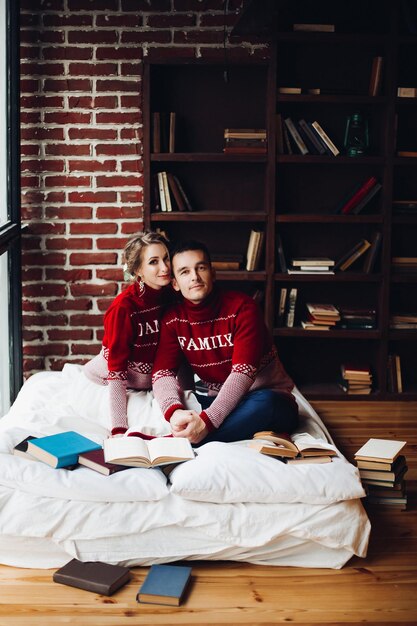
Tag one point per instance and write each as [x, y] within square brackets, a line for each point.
[380, 590]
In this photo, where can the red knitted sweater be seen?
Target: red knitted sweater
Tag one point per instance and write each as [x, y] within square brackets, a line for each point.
[131, 332]
[227, 345]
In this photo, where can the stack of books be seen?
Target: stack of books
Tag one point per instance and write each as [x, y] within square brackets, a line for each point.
[227, 262]
[403, 320]
[321, 317]
[312, 265]
[357, 318]
[404, 264]
[355, 379]
[245, 141]
[407, 207]
[382, 469]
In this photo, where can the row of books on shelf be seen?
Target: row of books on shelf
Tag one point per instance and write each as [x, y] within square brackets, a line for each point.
[169, 193]
[323, 316]
[245, 141]
[403, 321]
[302, 137]
[325, 265]
[382, 467]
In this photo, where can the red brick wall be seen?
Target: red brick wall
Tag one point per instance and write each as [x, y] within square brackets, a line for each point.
[81, 132]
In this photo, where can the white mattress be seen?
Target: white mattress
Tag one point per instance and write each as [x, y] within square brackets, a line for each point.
[308, 516]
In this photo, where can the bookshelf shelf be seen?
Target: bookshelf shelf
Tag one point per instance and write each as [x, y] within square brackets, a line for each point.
[327, 334]
[292, 197]
[328, 219]
[205, 157]
[206, 216]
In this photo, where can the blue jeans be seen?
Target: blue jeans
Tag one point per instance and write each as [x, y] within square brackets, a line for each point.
[258, 410]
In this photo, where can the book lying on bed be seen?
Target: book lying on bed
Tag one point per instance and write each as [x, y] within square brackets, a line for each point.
[136, 452]
[21, 449]
[61, 449]
[281, 445]
[96, 576]
[164, 584]
[94, 460]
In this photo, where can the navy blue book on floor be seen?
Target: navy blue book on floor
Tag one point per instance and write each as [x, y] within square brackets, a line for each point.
[164, 584]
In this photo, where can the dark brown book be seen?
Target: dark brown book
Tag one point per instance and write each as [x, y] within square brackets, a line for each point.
[183, 194]
[96, 576]
[178, 197]
[95, 460]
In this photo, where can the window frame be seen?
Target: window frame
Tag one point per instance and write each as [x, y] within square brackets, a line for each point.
[10, 231]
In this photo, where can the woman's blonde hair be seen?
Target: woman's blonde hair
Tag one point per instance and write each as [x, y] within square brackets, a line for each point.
[133, 250]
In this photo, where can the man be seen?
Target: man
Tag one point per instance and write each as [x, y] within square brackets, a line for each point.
[223, 337]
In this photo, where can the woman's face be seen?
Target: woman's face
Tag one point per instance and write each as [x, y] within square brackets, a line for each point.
[155, 268]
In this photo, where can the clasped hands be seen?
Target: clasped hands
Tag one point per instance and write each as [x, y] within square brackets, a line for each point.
[188, 424]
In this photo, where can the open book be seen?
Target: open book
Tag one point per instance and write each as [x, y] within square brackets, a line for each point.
[136, 452]
[281, 445]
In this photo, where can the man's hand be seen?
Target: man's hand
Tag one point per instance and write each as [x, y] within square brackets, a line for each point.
[188, 424]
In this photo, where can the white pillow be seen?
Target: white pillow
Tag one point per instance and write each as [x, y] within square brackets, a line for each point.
[231, 473]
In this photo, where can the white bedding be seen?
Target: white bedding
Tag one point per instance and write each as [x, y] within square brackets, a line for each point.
[228, 503]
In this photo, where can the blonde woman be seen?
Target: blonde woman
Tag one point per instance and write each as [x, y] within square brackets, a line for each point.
[131, 327]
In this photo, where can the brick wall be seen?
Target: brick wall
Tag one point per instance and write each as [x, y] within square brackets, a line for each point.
[81, 151]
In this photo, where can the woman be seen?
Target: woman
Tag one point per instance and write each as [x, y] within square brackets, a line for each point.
[131, 326]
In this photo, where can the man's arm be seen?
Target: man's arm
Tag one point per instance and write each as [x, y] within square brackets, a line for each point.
[168, 358]
[247, 352]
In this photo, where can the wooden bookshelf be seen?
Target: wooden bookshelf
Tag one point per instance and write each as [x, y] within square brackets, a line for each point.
[295, 195]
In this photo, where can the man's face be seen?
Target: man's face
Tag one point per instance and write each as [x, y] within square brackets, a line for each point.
[193, 275]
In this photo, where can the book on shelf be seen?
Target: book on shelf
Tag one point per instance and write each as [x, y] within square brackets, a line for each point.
[311, 270]
[404, 263]
[281, 255]
[279, 136]
[356, 195]
[314, 28]
[254, 250]
[162, 194]
[165, 584]
[312, 261]
[325, 138]
[291, 305]
[245, 133]
[282, 306]
[356, 372]
[171, 193]
[375, 80]
[94, 460]
[357, 318]
[365, 200]
[407, 92]
[372, 252]
[224, 266]
[168, 202]
[290, 90]
[172, 131]
[163, 131]
[312, 136]
[175, 191]
[282, 445]
[307, 325]
[136, 452]
[156, 132]
[405, 206]
[352, 255]
[96, 576]
[181, 190]
[403, 320]
[298, 141]
[383, 450]
[61, 449]
[326, 314]
[407, 153]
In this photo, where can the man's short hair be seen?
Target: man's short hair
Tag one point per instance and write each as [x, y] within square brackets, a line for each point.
[191, 244]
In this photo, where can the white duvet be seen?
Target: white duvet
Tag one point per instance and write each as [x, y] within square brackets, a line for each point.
[230, 502]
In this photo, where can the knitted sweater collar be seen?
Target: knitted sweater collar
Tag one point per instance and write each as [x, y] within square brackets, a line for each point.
[148, 296]
[203, 310]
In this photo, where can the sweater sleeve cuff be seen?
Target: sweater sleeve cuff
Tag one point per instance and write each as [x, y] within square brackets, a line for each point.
[118, 430]
[209, 424]
[171, 410]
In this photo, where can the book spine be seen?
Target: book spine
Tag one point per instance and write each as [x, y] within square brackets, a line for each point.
[172, 123]
[357, 197]
[324, 136]
[281, 255]
[372, 253]
[292, 300]
[314, 140]
[296, 136]
[376, 75]
[166, 191]
[183, 194]
[367, 198]
[161, 192]
[355, 256]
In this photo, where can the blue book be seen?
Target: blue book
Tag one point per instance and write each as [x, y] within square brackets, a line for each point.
[62, 449]
[164, 584]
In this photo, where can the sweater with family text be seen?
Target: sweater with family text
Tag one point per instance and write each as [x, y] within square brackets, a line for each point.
[227, 344]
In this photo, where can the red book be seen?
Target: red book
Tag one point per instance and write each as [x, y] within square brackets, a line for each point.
[357, 197]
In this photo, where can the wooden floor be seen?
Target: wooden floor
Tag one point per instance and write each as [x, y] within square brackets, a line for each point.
[380, 590]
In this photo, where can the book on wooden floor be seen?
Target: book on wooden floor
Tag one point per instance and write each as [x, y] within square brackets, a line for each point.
[383, 481]
[96, 576]
[281, 445]
[381, 465]
[384, 450]
[94, 460]
[61, 449]
[391, 474]
[165, 584]
[136, 452]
